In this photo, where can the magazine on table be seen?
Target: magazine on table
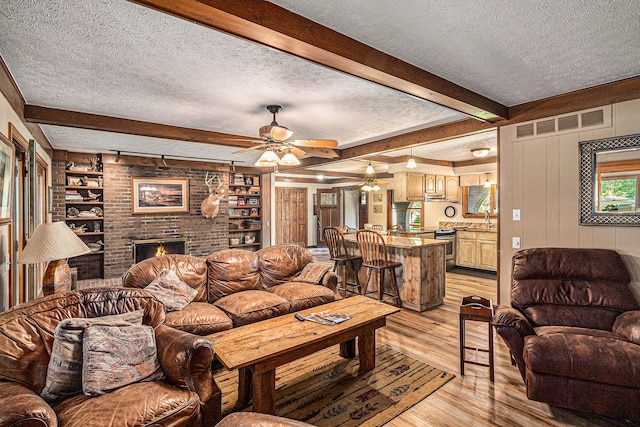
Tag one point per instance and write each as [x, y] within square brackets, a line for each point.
[326, 317]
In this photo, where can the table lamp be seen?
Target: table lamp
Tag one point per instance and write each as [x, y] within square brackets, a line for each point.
[53, 242]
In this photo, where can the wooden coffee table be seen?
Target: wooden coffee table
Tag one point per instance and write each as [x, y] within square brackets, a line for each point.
[257, 349]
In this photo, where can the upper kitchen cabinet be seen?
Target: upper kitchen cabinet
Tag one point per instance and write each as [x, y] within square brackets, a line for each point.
[452, 188]
[408, 187]
[430, 184]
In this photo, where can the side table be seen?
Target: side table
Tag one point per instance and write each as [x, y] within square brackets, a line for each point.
[479, 309]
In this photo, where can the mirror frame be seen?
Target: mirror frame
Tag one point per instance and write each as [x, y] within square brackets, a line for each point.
[588, 151]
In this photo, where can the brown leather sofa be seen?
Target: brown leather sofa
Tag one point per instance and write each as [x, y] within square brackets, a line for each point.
[573, 330]
[188, 396]
[237, 287]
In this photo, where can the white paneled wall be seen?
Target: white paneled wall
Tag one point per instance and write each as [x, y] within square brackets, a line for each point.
[540, 177]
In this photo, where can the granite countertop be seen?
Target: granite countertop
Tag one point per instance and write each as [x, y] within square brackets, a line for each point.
[402, 241]
[471, 226]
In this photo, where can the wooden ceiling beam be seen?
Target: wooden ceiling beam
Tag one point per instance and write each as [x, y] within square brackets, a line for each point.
[596, 96]
[278, 28]
[418, 137]
[53, 116]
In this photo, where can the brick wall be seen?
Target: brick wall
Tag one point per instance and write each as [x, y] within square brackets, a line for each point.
[203, 235]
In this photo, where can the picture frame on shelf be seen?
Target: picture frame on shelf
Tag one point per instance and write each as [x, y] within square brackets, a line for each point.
[74, 181]
[242, 201]
[254, 212]
[159, 195]
[252, 202]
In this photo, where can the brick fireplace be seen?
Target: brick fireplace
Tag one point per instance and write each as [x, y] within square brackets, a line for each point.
[143, 249]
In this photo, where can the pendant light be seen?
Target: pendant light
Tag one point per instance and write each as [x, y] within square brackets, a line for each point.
[369, 170]
[411, 164]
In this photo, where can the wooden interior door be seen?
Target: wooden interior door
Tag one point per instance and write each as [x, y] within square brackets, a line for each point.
[291, 216]
[328, 211]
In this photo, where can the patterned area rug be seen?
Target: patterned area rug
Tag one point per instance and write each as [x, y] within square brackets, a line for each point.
[326, 390]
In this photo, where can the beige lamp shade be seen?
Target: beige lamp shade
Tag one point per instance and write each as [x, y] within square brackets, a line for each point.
[50, 242]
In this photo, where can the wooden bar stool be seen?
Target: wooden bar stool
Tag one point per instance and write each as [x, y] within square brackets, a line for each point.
[479, 309]
[375, 257]
[339, 254]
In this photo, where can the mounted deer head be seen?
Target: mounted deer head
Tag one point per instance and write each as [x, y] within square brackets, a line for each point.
[211, 205]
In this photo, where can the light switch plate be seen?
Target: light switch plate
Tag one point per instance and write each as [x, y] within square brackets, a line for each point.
[516, 214]
[516, 243]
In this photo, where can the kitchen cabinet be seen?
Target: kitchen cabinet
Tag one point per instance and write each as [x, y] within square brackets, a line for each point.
[408, 187]
[477, 249]
[430, 184]
[440, 184]
[452, 188]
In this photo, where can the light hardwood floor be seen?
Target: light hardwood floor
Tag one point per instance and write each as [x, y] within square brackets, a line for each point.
[469, 400]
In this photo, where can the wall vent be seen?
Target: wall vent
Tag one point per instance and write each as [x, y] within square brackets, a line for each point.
[568, 123]
[546, 126]
[594, 118]
[524, 131]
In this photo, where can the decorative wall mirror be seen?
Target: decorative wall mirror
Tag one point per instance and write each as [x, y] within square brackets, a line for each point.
[610, 181]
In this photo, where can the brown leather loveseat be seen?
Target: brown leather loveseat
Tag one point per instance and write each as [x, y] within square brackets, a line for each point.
[187, 396]
[236, 287]
[573, 329]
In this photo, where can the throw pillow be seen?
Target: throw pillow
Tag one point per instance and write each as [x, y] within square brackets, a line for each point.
[313, 272]
[116, 356]
[64, 373]
[171, 291]
[627, 326]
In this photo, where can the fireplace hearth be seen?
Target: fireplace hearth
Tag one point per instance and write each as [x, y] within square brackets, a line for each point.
[143, 249]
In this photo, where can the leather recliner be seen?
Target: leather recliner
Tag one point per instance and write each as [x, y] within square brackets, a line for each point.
[188, 396]
[573, 330]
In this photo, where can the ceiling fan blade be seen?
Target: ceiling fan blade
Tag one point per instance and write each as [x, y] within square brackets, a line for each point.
[280, 133]
[255, 147]
[297, 151]
[325, 143]
[326, 153]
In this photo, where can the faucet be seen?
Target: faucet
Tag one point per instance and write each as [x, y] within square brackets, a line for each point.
[487, 216]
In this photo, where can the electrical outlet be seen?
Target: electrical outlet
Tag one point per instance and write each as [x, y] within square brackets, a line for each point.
[516, 214]
[516, 243]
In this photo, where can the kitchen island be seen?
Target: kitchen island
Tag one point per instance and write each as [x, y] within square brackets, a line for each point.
[421, 279]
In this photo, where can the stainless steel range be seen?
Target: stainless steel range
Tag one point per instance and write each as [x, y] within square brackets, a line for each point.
[448, 234]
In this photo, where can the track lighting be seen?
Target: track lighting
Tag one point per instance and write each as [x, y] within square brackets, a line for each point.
[118, 157]
[164, 163]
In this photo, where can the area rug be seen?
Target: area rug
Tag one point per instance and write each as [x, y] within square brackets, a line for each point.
[326, 390]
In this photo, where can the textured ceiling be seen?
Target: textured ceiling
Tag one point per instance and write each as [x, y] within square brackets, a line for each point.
[116, 58]
[509, 51]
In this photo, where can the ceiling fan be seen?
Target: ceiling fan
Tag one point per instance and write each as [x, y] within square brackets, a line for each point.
[371, 181]
[275, 140]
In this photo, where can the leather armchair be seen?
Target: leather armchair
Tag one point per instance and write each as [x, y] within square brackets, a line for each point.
[573, 330]
[188, 396]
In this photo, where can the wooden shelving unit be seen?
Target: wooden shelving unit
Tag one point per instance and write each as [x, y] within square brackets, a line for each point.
[245, 211]
[84, 210]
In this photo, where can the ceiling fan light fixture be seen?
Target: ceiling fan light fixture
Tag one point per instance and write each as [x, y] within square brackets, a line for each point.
[480, 152]
[289, 159]
[280, 133]
[369, 170]
[268, 158]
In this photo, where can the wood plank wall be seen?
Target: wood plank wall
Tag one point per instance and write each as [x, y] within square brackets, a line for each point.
[541, 177]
